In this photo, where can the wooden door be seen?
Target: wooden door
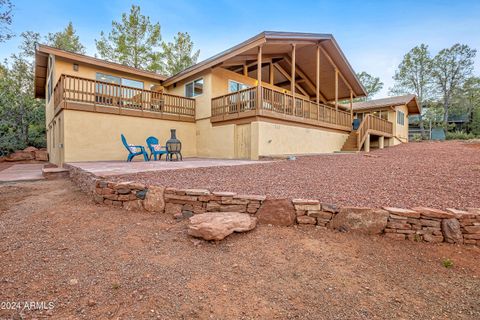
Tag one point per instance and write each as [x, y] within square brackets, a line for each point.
[242, 141]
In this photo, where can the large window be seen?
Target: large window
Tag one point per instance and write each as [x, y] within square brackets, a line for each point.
[194, 88]
[118, 80]
[400, 118]
[234, 86]
[132, 83]
[381, 114]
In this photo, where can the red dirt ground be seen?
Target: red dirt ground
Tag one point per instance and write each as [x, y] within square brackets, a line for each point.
[99, 262]
[436, 174]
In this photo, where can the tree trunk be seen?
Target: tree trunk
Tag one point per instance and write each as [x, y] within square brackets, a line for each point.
[445, 118]
[422, 127]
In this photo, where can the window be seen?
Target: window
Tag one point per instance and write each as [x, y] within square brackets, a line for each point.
[120, 81]
[108, 78]
[50, 79]
[400, 118]
[132, 83]
[234, 86]
[194, 88]
[105, 92]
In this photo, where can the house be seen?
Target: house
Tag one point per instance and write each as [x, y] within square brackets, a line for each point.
[277, 93]
[394, 110]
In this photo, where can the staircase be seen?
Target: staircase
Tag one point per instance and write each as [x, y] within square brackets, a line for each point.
[351, 143]
[371, 125]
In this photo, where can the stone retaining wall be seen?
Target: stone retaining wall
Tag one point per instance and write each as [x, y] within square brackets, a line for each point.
[415, 224]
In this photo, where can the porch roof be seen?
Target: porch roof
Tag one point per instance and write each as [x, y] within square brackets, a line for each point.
[276, 49]
[410, 100]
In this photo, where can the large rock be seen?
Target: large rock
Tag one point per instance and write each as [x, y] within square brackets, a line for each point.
[20, 156]
[451, 231]
[218, 225]
[402, 212]
[30, 149]
[433, 213]
[363, 220]
[41, 155]
[278, 212]
[154, 200]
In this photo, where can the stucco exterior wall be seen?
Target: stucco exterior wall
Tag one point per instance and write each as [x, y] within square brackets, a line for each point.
[278, 139]
[215, 142]
[93, 136]
[400, 131]
[89, 136]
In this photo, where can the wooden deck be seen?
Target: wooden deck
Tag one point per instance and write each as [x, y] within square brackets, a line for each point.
[96, 96]
[261, 102]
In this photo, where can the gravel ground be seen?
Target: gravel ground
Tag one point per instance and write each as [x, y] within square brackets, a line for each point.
[99, 262]
[436, 174]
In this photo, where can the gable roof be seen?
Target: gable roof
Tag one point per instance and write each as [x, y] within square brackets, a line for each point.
[41, 64]
[277, 46]
[249, 47]
[410, 100]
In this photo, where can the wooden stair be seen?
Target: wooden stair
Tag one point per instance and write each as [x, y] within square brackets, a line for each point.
[351, 143]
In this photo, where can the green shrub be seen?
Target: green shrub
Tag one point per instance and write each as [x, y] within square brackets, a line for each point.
[460, 135]
[447, 263]
[417, 137]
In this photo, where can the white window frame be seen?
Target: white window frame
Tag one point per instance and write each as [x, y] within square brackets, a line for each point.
[193, 82]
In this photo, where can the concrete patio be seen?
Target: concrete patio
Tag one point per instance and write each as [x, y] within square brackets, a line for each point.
[111, 168]
[22, 172]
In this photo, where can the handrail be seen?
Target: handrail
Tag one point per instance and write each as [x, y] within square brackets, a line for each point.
[235, 102]
[370, 124]
[83, 90]
[279, 103]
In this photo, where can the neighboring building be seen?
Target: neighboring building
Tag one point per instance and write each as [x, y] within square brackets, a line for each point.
[223, 107]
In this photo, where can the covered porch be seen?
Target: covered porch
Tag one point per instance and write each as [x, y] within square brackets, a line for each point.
[298, 79]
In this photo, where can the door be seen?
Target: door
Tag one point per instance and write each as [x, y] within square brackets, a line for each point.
[242, 141]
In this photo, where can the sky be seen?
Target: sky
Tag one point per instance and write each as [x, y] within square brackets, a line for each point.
[374, 35]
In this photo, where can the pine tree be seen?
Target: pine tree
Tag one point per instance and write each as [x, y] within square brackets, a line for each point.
[134, 41]
[178, 55]
[66, 40]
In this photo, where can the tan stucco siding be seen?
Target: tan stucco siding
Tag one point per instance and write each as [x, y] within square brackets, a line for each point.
[401, 131]
[96, 136]
[215, 142]
[63, 66]
[278, 139]
[203, 101]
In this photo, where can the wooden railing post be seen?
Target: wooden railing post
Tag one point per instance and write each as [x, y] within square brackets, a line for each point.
[259, 78]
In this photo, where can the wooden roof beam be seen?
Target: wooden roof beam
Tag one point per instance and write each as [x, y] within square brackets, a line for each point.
[335, 67]
[308, 82]
[286, 75]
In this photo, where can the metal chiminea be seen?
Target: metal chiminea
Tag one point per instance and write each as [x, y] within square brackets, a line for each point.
[174, 146]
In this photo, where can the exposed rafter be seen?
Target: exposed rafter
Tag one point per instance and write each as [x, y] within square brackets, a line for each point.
[308, 82]
[286, 75]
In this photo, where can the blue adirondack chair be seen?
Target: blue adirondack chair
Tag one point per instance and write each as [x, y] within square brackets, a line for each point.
[151, 143]
[134, 150]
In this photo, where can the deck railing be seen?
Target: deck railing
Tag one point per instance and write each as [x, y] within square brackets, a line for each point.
[82, 90]
[373, 124]
[279, 104]
[235, 102]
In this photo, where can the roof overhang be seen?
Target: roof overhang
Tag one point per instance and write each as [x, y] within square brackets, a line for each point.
[42, 53]
[277, 48]
[410, 101]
